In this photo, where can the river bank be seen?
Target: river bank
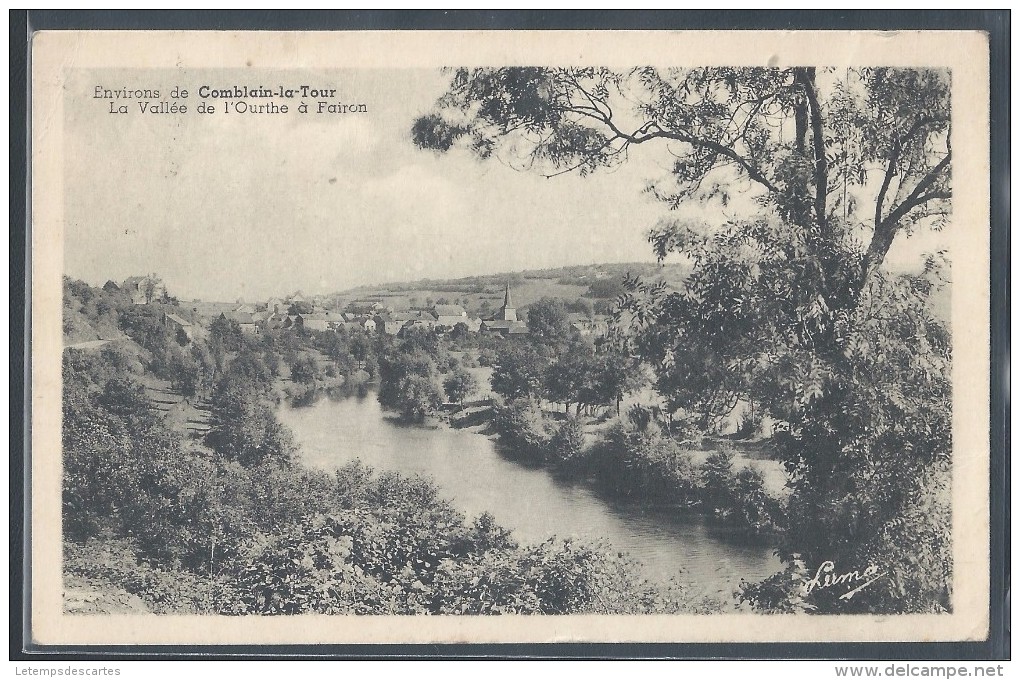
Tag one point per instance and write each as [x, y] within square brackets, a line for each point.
[477, 477]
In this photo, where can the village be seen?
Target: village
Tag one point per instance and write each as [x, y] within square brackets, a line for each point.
[320, 313]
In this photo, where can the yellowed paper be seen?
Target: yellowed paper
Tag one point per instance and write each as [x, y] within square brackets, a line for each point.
[76, 115]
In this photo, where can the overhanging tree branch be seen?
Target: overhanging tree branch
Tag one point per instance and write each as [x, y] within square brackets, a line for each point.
[646, 133]
[894, 159]
[886, 228]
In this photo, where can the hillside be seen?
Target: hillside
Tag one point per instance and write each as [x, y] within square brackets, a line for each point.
[480, 294]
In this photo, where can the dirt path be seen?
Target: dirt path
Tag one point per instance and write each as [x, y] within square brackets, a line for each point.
[88, 344]
[82, 596]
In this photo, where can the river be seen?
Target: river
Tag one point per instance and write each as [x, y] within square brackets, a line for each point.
[533, 503]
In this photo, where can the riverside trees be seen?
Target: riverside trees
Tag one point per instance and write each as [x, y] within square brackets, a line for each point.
[788, 304]
[239, 529]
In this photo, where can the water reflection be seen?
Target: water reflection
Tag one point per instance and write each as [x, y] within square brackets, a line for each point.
[531, 501]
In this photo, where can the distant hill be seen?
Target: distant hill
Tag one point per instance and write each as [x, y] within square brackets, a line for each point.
[599, 284]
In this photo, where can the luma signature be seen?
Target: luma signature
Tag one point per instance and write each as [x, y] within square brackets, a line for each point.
[826, 577]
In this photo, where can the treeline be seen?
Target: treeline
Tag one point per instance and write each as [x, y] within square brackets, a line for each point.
[636, 459]
[231, 525]
[419, 373]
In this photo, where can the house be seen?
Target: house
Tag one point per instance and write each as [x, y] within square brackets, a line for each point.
[357, 326]
[209, 310]
[144, 289]
[273, 322]
[177, 324]
[448, 316]
[365, 307]
[504, 327]
[416, 323]
[245, 320]
[418, 317]
[385, 323]
[275, 305]
[321, 321]
[472, 323]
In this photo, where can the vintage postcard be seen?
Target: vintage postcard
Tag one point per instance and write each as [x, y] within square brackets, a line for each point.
[400, 337]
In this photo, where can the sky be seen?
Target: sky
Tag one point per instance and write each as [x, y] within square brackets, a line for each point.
[229, 206]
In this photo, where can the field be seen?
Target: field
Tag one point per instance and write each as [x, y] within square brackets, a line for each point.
[482, 294]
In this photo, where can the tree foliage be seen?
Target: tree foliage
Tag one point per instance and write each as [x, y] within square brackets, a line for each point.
[787, 304]
[547, 321]
[241, 534]
[460, 384]
[870, 146]
[518, 371]
[304, 369]
[409, 383]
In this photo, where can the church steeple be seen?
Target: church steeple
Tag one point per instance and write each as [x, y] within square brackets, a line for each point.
[507, 311]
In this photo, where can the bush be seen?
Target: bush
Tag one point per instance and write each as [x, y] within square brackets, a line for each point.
[646, 464]
[304, 369]
[606, 288]
[459, 385]
[566, 448]
[718, 482]
[245, 428]
[418, 397]
[755, 510]
[110, 561]
[122, 359]
[523, 428]
[301, 394]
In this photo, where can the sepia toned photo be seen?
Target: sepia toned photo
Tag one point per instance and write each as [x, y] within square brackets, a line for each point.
[497, 337]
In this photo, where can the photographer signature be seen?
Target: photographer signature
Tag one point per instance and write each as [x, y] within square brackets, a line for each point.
[826, 577]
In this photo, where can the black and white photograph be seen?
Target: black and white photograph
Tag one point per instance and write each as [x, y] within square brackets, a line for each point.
[513, 338]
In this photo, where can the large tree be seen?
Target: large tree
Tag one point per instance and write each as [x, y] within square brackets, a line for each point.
[815, 174]
[548, 322]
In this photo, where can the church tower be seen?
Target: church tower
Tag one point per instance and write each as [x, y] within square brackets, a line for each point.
[507, 311]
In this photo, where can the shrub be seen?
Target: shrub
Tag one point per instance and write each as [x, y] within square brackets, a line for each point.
[755, 510]
[717, 482]
[566, 448]
[304, 369]
[459, 385]
[245, 428]
[122, 359]
[418, 397]
[646, 464]
[523, 428]
[301, 394]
